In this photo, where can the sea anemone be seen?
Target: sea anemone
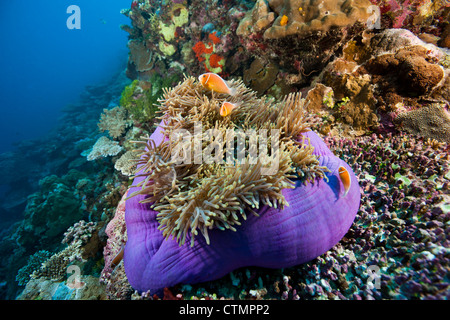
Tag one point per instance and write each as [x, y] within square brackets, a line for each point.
[192, 196]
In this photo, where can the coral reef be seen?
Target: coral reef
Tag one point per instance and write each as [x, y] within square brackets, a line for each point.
[397, 247]
[173, 38]
[359, 75]
[126, 164]
[114, 121]
[43, 220]
[113, 276]
[103, 147]
[427, 19]
[34, 263]
[53, 187]
[291, 17]
[55, 268]
[381, 75]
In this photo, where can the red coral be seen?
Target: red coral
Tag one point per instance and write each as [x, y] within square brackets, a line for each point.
[214, 60]
[200, 50]
[214, 38]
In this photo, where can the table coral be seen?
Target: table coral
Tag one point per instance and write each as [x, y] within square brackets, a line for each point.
[104, 147]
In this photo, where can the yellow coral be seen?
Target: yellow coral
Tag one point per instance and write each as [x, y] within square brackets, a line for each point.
[284, 20]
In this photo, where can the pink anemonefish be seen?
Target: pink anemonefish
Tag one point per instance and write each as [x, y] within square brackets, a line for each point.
[345, 178]
[215, 83]
[226, 108]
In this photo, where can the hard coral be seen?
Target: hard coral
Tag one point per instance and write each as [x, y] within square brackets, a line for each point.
[126, 164]
[114, 121]
[432, 122]
[261, 75]
[379, 71]
[302, 16]
[104, 147]
[34, 263]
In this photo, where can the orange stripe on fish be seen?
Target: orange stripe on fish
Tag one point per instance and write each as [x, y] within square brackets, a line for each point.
[345, 178]
[215, 83]
[226, 108]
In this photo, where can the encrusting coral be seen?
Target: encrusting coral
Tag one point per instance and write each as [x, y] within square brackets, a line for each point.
[301, 16]
[201, 196]
[432, 122]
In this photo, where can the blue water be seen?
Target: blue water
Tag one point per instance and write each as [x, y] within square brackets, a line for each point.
[45, 66]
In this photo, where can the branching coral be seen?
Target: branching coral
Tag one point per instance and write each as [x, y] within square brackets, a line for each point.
[192, 196]
[34, 263]
[79, 232]
[55, 268]
[114, 121]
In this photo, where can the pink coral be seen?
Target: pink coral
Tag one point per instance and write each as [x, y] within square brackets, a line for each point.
[117, 236]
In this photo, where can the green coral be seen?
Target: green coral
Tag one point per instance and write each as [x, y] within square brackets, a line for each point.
[142, 103]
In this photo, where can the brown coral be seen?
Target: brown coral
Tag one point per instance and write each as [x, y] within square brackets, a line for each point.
[192, 196]
[261, 75]
[126, 164]
[140, 56]
[114, 121]
[55, 268]
[432, 122]
[302, 16]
